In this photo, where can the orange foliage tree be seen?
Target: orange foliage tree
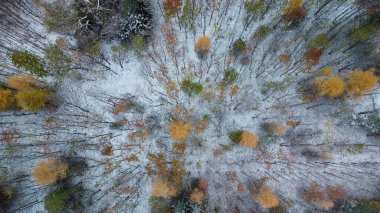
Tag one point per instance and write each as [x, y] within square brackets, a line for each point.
[179, 131]
[267, 198]
[49, 172]
[7, 99]
[249, 140]
[32, 99]
[295, 11]
[361, 82]
[203, 44]
[332, 88]
[162, 188]
[172, 7]
[21, 81]
[313, 56]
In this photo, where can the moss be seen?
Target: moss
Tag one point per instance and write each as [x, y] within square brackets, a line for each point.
[230, 77]
[235, 136]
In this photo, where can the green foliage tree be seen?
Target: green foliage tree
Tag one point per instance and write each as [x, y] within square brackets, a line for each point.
[191, 87]
[30, 62]
[32, 99]
[255, 7]
[57, 62]
[362, 206]
[239, 46]
[261, 33]
[189, 14]
[362, 34]
[235, 136]
[321, 41]
[60, 16]
[230, 76]
[56, 201]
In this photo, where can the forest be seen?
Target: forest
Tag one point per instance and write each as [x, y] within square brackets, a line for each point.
[190, 106]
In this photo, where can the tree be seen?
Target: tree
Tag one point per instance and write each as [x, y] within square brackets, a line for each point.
[239, 46]
[244, 138]
[361, 82]
[332, 88]
[313, 56]
[275, 128]
[57, 62]
[172, 7]
[32, 99]
[30, 62]
[197, 196]
[230, 76]
[191, 87]
[295, 11]
[203, 45]
[179, 130]
[267, 198]
[249, 140]
[63, 200]
[21, 82]
[49, 172]
[56, 201]
[7, 99]
[162, 188]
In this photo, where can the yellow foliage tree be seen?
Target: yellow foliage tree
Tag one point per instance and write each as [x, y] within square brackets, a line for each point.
[32, 99]
[179, 130]
[203, 44]
[162, 188]
[21, 81]
[249, 140]
[361, 82]
[267, 198]
[7, 99]
[324, 204]
[49, 172]
[197, 196]
[332, 87]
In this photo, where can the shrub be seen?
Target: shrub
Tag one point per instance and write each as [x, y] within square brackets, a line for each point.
[29, 62]
[267, 198]
[162, 188]
[138, 45]
[93, 49]
[191, 87]
[56, 201]
[230, 76]
[361, 82]
[239, 46]
[57, 62]
[49, 172]
[7, 99]
[32, 99]
[172, 7]
[179, 131]
[21, 82]
[332, 88]
[203, 45]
